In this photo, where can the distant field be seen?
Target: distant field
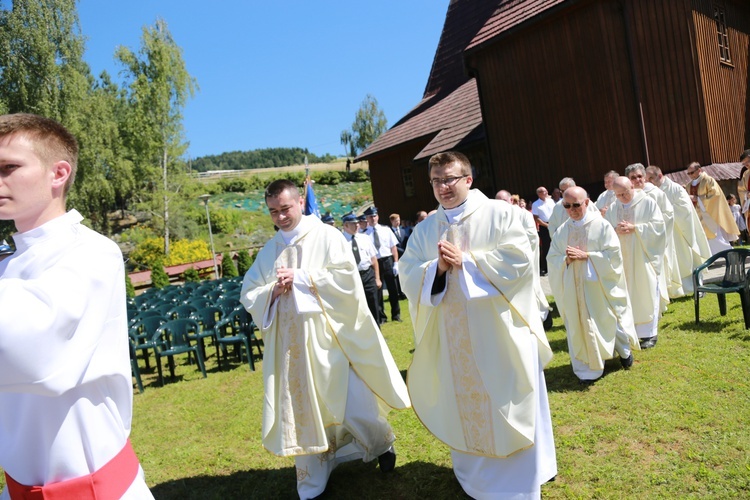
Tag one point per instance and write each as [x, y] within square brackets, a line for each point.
[314, 167]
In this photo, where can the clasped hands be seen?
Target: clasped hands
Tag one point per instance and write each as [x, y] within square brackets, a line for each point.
[449, 256]
[284, 280]
[574, 253]
[624, 227]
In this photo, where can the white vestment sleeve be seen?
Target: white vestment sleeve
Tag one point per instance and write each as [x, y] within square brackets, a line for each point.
[429, 278]
[269, 316]
[473, 282]
[304, 299]
[590, 271]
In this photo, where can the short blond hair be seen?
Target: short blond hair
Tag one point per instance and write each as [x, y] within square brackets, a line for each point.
[50, 141]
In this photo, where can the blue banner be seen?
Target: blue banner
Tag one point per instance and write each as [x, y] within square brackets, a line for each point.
[311, 203]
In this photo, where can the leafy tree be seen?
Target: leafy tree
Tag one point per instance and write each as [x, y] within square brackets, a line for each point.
[228, 269]
[244, 261]
[348, 143]
[158, 88]
[369, 123]
[41, 56]
[159, 277]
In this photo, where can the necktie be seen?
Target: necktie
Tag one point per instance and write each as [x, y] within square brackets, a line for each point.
[355, 249]
[377, 239]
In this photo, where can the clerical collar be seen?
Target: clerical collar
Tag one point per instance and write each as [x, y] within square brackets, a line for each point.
[304, 225]
[455, 213]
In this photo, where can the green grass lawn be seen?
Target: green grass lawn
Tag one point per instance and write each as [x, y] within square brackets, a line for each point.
[674, 426]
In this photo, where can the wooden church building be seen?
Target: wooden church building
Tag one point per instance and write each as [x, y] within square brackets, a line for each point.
[536, 90]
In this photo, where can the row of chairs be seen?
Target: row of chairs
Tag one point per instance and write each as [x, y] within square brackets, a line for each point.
[179, 320]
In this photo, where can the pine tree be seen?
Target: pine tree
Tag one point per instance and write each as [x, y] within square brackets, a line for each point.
[159, 277]
[228, 269]
[244, 261]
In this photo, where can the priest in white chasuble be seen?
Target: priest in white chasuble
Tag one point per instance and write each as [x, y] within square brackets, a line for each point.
[640, 227]
[476, 379]
[328, 374]
[690, 242]
[671, 284]
[588, 283]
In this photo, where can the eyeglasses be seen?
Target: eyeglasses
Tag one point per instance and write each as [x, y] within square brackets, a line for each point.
[691, 172]
[446, 181]
[567, 206]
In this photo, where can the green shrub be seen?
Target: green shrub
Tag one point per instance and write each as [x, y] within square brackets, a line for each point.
[224, 220]
[159, 277]
[327, 178]
[129, 288]
[228, 269]
[357, 175]
[244, 261]
[191, 275]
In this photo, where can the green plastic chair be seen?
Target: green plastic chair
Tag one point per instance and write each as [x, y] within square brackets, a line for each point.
[182, 311]
[736, 280]
[172, 338]
[238, 329]
[207, 318]
[134, 365]
[142, 332]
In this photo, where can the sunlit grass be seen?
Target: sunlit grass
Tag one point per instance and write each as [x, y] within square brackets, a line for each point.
[671, 427]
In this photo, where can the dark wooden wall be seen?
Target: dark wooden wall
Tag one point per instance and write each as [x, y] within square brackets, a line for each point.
[558, 100]
[724, 86]
[387, 182]
[606, 83]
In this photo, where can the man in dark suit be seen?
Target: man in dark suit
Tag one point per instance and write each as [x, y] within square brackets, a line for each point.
[402, 235]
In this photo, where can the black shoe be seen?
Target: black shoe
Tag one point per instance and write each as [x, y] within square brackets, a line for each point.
[402, 297]
[542, 273]
[586, 382]
[648, 343]
[627, 362]
[397, 318]
[387, 461]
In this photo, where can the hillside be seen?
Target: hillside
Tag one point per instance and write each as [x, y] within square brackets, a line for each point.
[258, 158]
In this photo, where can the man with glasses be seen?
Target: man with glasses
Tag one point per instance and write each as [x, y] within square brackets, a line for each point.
[690, 242]
[476, 377]
[671, 284]
[713, 209]
[588, 282]
[559, 214]
[640, 228]
[541, 209]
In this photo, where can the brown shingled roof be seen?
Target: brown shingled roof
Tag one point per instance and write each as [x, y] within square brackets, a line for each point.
[449, 108]
[509, 14]
[719, 171]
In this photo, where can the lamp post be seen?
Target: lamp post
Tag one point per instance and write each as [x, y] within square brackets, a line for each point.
[205, 198]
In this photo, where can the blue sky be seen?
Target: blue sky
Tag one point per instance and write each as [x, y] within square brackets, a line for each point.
[289, 73]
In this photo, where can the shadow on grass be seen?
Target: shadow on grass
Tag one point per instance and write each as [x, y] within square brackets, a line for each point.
[415, 480]
[562, 378]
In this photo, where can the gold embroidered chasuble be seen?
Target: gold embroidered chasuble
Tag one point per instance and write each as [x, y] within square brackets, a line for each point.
[642, 251]
[591, 306]
[712, 196]
[307, 355]
[472, 379]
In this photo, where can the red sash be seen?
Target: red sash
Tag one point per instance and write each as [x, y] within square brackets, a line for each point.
[111, 481]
